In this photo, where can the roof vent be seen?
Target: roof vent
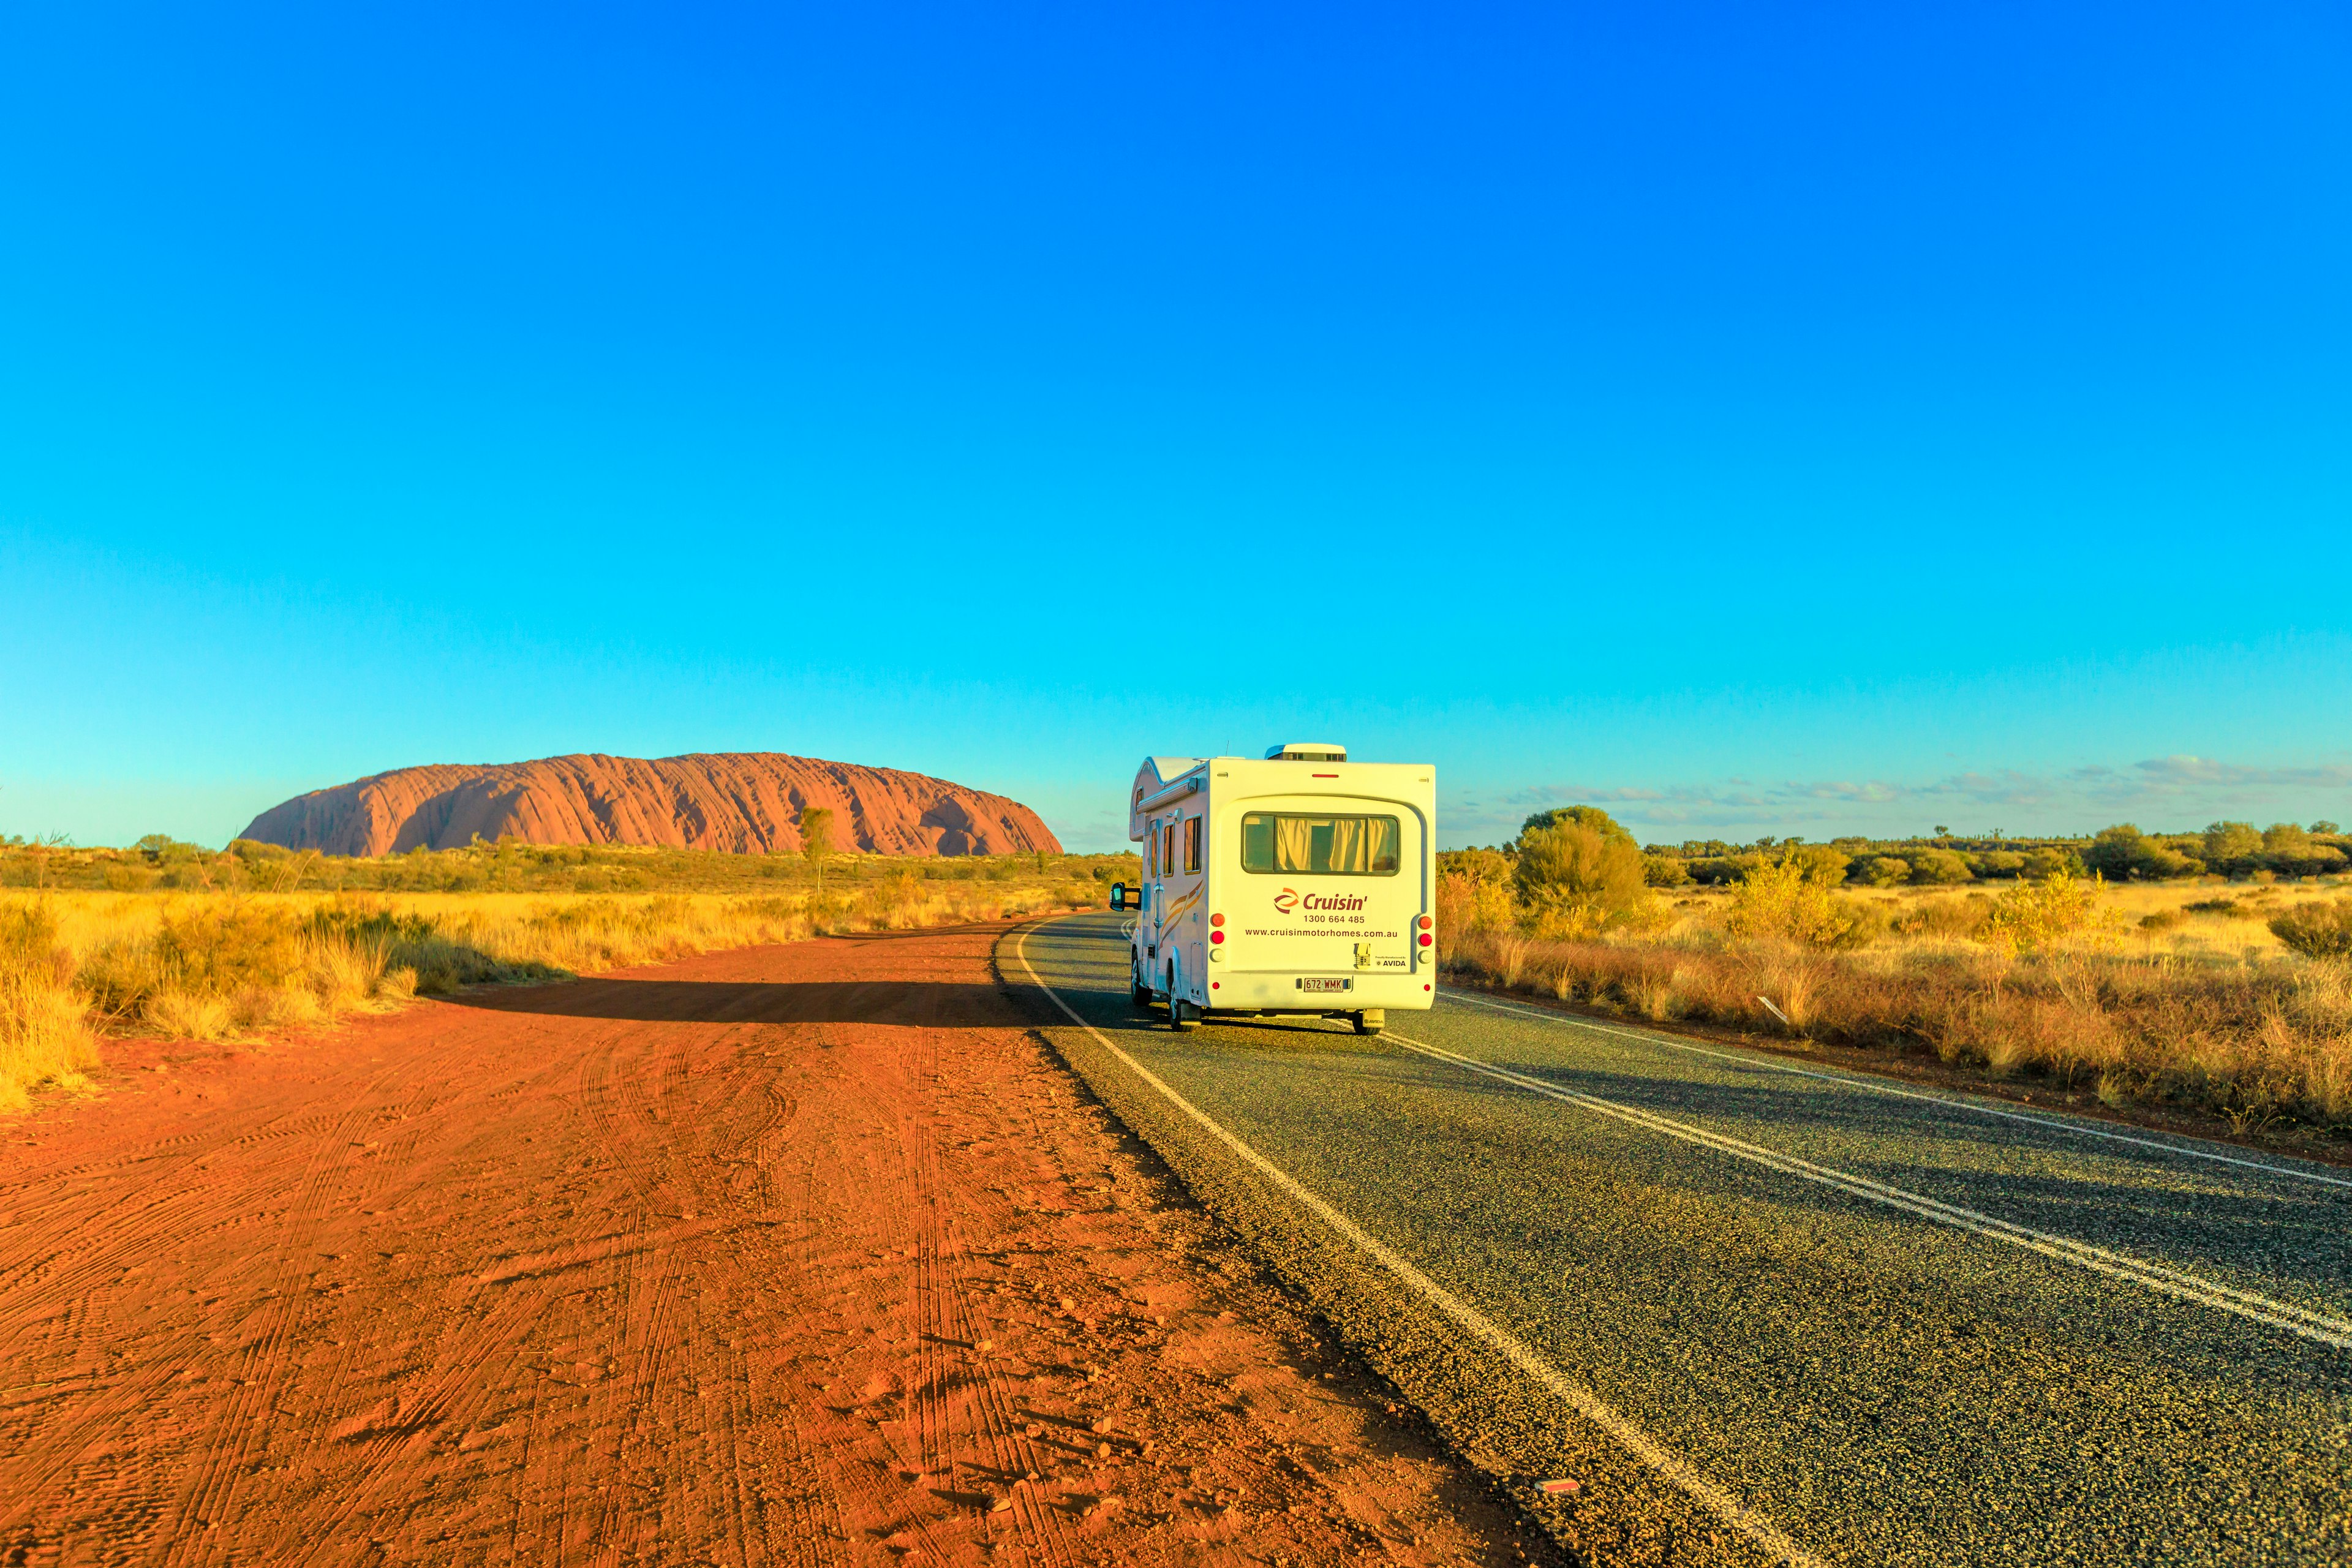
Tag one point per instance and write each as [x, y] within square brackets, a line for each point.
[1308, 752]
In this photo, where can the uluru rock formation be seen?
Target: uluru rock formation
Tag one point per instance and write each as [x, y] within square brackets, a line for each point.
[745, 802]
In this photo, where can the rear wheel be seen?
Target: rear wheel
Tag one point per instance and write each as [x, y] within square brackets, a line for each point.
[1370, 1021]
[1143, 997]
[1182, 1015]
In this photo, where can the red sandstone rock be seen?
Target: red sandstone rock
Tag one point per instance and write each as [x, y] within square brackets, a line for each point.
[744, 802]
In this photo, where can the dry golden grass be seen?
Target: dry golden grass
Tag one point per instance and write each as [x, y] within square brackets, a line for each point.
[217, 965]
[2152, 1002]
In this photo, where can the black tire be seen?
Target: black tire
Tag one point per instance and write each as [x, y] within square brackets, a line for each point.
[1181, 1015]
[1367, 1026]
[1143, 996]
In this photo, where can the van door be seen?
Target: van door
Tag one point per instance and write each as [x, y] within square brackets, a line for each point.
[1148, 926]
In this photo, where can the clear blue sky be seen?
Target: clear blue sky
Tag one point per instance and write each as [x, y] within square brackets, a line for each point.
[1799, 418]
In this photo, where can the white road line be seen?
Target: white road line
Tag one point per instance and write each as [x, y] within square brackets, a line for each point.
[2294, 1320]
[1856, 1081]
[1575, 1395]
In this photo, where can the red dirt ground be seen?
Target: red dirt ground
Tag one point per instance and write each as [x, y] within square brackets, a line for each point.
[809, 1255]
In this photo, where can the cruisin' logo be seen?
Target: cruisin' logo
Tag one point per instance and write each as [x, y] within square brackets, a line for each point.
[1289, 900]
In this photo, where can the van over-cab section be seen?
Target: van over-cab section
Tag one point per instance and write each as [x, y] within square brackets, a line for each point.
[1298, 883]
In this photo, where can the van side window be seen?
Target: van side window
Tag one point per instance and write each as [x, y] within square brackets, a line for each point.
[1151, 856]
[1168, 848]
[1192, 844]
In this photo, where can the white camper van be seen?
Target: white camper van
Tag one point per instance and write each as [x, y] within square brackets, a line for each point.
[1302, 883]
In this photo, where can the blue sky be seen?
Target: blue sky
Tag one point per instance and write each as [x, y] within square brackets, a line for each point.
[1759, 418]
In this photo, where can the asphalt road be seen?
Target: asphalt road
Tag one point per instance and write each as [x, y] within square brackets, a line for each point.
[1762, 1311]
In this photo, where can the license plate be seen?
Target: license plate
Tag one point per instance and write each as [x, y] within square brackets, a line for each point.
[1325, 985]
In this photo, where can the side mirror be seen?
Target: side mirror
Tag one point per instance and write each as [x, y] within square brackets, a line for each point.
[1118, 895]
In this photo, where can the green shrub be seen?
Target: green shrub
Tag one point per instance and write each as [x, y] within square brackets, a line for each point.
[2289, 851]
[2317, 930]
[1880, 871]
[2033, 915]
[2233, 849]
[1665, 871]
[1935, 868]
[1590, 817]
[1572, 874]
[2122, 854]
[2046, 862]
[1823, 863]
[1790, 900]
[1482, 866]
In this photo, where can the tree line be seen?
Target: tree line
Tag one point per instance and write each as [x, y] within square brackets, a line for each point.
[1604, 852]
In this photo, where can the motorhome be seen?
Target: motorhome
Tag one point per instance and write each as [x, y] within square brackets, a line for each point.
[1298, 883]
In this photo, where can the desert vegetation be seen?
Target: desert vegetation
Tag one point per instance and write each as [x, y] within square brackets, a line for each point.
[2096, 968]
[195, 944]
[2234, 850]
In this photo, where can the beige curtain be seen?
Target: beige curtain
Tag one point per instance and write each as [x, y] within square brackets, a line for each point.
[1381, 843]
[1292, 838]
[1347, 843]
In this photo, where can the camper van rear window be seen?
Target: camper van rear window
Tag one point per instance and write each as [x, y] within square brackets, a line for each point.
[1319, 845]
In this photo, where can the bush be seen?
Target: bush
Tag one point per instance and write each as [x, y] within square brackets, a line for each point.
[216, 950]
[2233, 849]
[1590, 817]
[2032, 916]
[1935, 868]
[1790, 900]
[1823, 863]
[1866, 921]
[1881, 871]
[1997, 863]
[2289, 851]
[1665, 871]
[2046, 862]
[2221, 906]
[44, 1033]
[2317, 930]
[1477, 864]
[1575, 877]
[2124, 854]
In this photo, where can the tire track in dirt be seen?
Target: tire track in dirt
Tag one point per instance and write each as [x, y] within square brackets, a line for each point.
[108, 1248]
[694, 1265]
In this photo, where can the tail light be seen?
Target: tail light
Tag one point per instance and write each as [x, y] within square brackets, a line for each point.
[1215, 936]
